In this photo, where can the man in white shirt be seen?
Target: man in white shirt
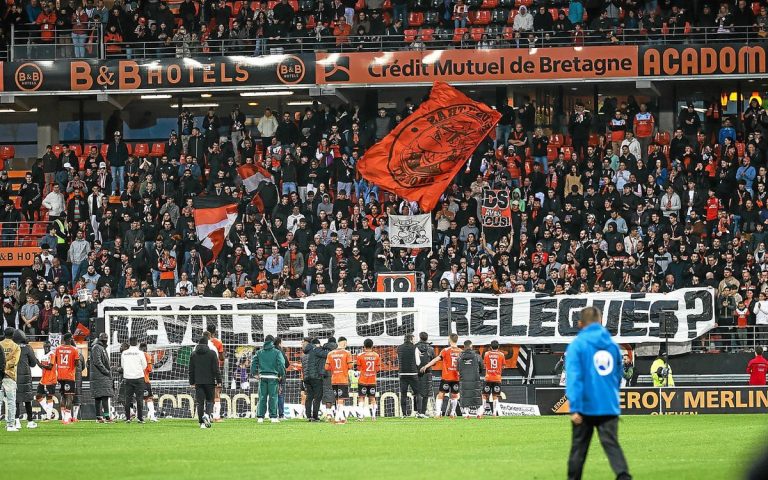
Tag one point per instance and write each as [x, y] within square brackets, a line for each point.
[184, 283]
[634, 145]
[761, 310]
[54, 202]
[133, 362]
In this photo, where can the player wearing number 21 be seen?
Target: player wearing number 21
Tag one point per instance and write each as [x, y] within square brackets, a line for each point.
[368, 364]
[339, 362]
[449, 381]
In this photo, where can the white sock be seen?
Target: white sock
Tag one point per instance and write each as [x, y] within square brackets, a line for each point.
[439, 406]
[496, 407]
[75, 411]
[373, 410]
[151, 409]
[454, 403]
[66, 415]
[216, 410]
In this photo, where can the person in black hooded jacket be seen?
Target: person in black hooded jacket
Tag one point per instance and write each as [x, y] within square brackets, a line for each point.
[313, 378]
[204, 376]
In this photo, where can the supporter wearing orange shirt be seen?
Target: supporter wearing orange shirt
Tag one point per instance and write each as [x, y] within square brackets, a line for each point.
[339, 363]
[342, 31]
[47, 22]
[644, 125]
[113, 41]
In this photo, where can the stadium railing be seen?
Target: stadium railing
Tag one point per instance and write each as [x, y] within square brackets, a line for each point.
[22, 234]
[34, 44]
[37, 44]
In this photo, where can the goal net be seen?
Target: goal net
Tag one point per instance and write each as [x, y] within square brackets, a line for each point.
[171, 336]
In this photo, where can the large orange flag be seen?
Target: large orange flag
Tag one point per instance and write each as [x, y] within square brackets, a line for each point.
[420, 157]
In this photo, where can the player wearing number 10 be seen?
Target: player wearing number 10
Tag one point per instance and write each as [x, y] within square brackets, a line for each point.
[339, 362]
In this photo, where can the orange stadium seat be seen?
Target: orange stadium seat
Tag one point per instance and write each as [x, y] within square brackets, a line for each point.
[415, 19]
[158, 150]
[476, 34]
[141, 150]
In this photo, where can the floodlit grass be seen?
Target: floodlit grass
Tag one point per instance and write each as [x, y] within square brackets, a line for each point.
[657, 447]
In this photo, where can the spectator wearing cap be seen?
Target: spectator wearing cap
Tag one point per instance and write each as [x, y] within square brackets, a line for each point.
[689, 122]
[117, 155]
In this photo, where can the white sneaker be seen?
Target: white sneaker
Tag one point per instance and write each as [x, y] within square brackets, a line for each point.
[31, 425]
[11, 429]
[206, 421]
[153, 419]
[275, 420]
[18, 424]
[261, 420]
[202, 425]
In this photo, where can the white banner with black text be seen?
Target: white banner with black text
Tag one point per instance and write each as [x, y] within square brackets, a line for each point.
[519, 318]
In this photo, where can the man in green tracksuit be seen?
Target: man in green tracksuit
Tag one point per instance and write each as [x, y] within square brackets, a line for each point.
[269, 365]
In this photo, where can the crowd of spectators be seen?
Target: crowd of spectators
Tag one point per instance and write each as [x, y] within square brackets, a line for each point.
[609, 204]
[155, 28]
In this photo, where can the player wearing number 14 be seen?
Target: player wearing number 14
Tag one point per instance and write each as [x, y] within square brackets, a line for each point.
[368, 364]
[65, 359]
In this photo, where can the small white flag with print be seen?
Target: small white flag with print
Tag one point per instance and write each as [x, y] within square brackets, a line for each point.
[410, 231]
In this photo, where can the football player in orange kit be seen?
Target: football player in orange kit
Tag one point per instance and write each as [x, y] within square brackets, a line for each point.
[494, 364]
[449, 380]
[149, 397]
[65, 359]
[339, 363]
[46, 389]
[368, 364]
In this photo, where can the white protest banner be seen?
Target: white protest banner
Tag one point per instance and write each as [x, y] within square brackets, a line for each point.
[519, 318]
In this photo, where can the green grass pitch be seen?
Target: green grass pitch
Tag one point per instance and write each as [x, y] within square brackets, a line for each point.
[657, 447]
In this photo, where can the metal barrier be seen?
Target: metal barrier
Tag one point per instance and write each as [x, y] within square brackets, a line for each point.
[23, 234]
[50, 44]
[731, 339]
[36, 43]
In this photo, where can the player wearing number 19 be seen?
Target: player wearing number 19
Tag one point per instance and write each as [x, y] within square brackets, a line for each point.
[494, 366]
[368, 364]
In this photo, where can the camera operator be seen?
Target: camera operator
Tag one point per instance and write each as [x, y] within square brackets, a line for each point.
[661, 372]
